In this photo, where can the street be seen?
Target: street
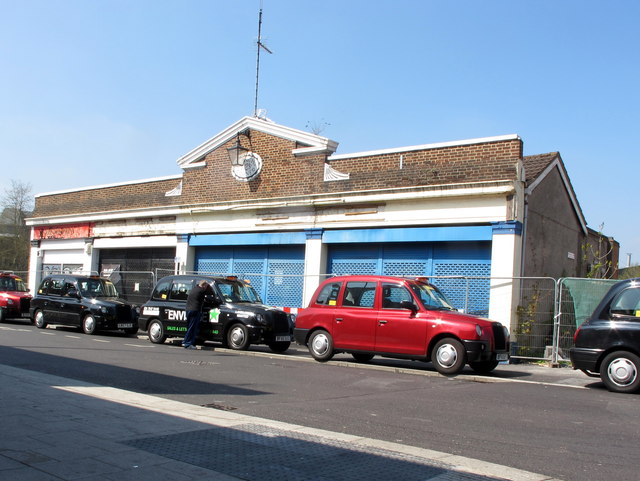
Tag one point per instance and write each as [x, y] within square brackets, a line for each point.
[568, 432]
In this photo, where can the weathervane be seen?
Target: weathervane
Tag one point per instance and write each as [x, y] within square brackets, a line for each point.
[260, 45]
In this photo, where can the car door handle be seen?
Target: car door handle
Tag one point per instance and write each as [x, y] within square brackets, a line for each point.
[338, 319]
[382, 322]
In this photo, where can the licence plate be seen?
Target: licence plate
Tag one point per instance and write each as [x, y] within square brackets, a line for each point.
[283, 338]
[502, 356]
[125, 326]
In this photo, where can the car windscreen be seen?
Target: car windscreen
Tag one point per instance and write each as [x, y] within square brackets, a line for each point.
[233, 291]
[97, 288]
[12, 284]
[431, 297]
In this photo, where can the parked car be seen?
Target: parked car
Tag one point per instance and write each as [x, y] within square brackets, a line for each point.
[608, 343]
[234, 315]
[400, 318]
[14, 296]
[91, 303]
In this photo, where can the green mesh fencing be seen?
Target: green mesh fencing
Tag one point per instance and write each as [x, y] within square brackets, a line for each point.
[581, 296]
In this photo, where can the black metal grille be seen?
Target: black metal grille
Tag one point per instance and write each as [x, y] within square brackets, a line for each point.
[133, 269]
[24, 304]
[499, 340]
[124, 313]
[280, 321]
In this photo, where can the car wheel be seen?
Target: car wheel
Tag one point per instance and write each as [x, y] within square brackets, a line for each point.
[321, 345]
[38, 320]
[620, 372]
[238, 337]
[89, 324]
[448, 356]
[156, 332]
[362, 357]
[483, 367]
[280, 346]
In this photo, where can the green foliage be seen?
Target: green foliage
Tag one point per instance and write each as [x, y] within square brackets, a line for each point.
[526, 326]
[629, 272]
[596, 257]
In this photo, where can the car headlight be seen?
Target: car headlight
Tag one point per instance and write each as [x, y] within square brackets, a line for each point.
[260, 319]
[104, 310]
[10, 301]
[478, 330]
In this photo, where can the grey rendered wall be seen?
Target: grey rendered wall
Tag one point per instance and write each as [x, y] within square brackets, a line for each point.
[553, 234]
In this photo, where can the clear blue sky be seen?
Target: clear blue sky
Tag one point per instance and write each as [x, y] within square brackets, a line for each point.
[102, 91]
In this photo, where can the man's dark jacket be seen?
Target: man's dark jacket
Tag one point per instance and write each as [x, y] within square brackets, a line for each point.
[196, 296]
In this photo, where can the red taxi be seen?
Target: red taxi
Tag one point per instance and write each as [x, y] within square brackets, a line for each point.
[14, 296]
[400, 318]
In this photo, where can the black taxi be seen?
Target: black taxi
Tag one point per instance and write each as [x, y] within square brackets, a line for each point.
[89, 302]
[233, 315]
[607, 344]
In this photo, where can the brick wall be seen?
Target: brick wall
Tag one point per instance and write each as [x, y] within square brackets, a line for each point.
[284, 175]
[449, 165]
[130, 196]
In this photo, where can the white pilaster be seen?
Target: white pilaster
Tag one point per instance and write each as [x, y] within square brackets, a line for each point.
[185, 255]
[35, 267]
[315, 265]
[506, 253]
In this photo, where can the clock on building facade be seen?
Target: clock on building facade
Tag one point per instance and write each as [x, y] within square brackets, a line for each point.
[250, 167]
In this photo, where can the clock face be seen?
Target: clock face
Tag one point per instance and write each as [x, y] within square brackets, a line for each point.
[250, 168]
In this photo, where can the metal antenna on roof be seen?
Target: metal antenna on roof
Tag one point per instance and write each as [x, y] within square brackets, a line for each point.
[260, 46]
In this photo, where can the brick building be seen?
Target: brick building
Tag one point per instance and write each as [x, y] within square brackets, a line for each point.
[291, 211]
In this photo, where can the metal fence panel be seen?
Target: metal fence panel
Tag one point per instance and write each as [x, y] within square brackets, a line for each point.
[134, 286]
[533, 330]
[470, 294]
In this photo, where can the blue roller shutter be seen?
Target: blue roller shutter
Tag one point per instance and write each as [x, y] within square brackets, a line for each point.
[276, 272]
[465, 260]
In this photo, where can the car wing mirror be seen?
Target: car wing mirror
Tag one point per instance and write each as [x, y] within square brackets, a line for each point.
[409, 305]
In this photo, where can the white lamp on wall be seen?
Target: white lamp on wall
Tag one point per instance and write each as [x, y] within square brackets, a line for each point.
[236, 153]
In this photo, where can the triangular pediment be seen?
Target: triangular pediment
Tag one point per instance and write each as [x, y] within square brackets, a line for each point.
[539, 167]
[308, 143]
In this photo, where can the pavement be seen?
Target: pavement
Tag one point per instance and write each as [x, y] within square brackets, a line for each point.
[55, 428]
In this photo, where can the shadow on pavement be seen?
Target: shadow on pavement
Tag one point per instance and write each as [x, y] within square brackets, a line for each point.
[145, 382]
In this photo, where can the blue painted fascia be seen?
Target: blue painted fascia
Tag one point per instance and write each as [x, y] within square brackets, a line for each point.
[262, 238]
[354, 236]
[409, 234]
[314, 233]
[512, 227]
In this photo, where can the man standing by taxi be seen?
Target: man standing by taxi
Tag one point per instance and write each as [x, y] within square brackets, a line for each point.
[195, 302]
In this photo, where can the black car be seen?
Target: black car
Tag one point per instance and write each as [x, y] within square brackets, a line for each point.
[234, 315]
[91, 303]
[608, 343]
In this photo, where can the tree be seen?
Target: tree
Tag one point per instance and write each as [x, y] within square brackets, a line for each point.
[17, 204]
[596, 254]
[316, 127]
